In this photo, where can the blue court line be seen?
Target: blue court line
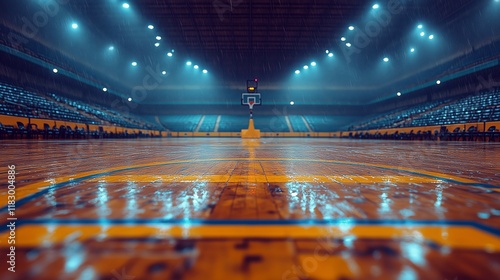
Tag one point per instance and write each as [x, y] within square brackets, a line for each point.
[36, 195]
[79, 180]
[295, 222]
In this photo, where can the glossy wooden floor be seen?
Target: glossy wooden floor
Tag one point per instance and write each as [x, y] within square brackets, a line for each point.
[253, 209]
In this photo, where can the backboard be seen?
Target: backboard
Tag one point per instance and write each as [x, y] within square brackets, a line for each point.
[251, 99]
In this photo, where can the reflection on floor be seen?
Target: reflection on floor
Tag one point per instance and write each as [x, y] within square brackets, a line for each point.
[252, 209]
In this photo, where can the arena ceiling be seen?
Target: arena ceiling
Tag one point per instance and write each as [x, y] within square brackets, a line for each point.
[236, 40]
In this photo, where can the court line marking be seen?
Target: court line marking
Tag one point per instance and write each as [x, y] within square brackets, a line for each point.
[461, 236]
[47, 186]
[263, 179]
[35, 190]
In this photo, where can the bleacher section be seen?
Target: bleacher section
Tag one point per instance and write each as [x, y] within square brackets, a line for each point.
[270, 123]
[478, 108]
[180, 122]
[103, 114]
[25, 114]
[233, 123]
[15, 101]
[396, 118]
[298, 124]
[209, 123]
[328, 123]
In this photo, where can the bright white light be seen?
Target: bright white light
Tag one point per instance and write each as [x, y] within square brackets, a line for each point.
[205, 71]
[297, 71]
[111, 48]
[134, 63]
[348, 45]
[313, 63]
[196, 67]
[376, 6]
[327, 51]
[74, 26]
[422, 33]
[164, 72]
[351, 27]
[398, 94]
[129, 99]
[386, 59]
[125, 5]
[330, 55]
[157, 44]
[431, 37]
[55, 70]
[420, 26]
[104, 89]
[343, 39]
[151, 26]
[306, 67]
[172, 51]
[189, 63]
[412, 50]
[292, 103]
[438, 82]
[158, 38]
[170, 54]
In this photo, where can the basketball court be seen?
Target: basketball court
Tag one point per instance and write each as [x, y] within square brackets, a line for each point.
[253, 209]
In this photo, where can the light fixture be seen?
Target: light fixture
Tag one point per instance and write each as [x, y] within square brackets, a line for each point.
[189, 63]
[398, 94]
[422, 33]
[438, 82]
[104, 89]
[196, 67]
[330, 55]
[348, 45]
[306, 67]
[125, 5]
[376, 6]
[313, 63]
[111, 48]
[151, 26]
[292, 103]
[157, 44]
[170, 54]
[74, 26]
[158, 38]
[420, 26]
[386, 59]
[297, 71]
[343, 39]
[351, 27]
[164, 72]
[431, 37]
[134, 63]
[412, 50]
[129, 99]
[205, 71]
[327, 51]
[55, 70]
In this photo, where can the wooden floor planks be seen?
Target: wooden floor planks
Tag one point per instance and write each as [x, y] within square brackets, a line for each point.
[253, 209]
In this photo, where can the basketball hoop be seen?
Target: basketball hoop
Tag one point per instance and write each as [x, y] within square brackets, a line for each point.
[250, 104]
